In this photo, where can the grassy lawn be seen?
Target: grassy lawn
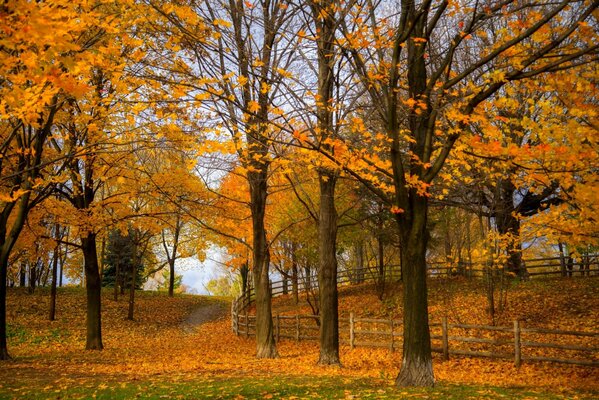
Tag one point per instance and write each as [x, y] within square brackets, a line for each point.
[275, 388]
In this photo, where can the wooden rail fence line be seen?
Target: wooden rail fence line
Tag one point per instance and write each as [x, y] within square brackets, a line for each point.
[514, 342]
[586, 266]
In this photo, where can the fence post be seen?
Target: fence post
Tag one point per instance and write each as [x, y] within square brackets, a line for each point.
[517, 347]
[278, 328]
[297, 328]
[445, 338]
[351, 331]
[247, 324]
[391, 347]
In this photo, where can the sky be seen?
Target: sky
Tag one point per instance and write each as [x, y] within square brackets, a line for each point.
[197, 274]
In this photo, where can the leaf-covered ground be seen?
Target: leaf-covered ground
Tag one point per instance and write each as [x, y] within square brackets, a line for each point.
[158, 356]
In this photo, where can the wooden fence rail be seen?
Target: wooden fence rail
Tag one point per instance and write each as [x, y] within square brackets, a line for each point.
[585, 266]
[496, 342]
[516, 342]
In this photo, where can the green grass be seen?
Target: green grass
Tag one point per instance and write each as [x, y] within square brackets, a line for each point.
[272, 388]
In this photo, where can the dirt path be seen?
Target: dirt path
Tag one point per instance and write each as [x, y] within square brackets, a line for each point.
[203, 314]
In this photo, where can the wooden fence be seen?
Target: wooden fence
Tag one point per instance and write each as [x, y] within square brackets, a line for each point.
[517, 343]
[584, 266]
[496, 342]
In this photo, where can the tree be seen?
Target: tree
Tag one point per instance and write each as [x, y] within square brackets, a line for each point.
[121, 253]
[427, 87]
[40, 77]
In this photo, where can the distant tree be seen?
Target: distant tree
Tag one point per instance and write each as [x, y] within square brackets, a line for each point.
[120, 255]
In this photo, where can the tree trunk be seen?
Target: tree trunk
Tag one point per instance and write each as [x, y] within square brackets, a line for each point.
[285, 284]
[509, 224]
[22, 275]
[327, 272]
[265, 342]
[32, 278]
[359, 262]
[243, 271]
[3, 276]
[93, 288]
[135, 260]
[171, 278]
[417, 363]
[55, 258]
[61, 272]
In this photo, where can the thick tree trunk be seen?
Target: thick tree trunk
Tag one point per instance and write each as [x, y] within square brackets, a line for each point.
[509, 224]
[327, 272]
[417, 363]
[265, 342]
[93, 288]
[3, 275]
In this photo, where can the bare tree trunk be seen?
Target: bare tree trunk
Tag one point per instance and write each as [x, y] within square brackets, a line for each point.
[265, 342]
[32, 278]
[324, 19]
[359, 262]
[61, 272]
[93, 287]
[55, 258]
[3, 276]
[417, 363]
[509, 224]
[327, 272]
[135, 261]
[22, 275]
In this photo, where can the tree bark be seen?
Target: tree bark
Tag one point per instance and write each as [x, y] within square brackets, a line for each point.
[55, 258]
[22, 275]
[3, 274]
[265, 342]
[327, 272]
[171, 278]
[93, 288]
[417, 363]
[509, 224]
[359, 262]
[32, 278]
